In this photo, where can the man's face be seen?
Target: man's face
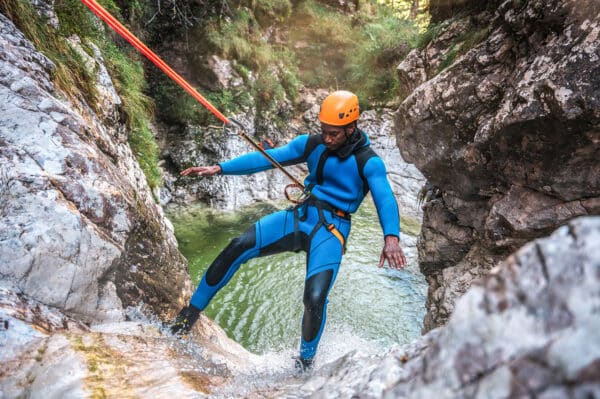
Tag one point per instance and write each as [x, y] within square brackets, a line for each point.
[334, 136]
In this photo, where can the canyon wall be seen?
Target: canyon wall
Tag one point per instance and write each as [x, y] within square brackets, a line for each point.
[79, 227]
[503, 119]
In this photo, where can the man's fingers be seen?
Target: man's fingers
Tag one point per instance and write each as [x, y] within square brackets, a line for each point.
[187, 171]
[397, 261]
[198, 171]
[381, 259]
[392, 261]
[401, 262]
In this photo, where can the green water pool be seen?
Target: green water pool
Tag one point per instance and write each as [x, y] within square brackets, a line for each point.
[261, 307]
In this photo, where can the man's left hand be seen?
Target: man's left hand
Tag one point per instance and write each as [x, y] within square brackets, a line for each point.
[392, 253]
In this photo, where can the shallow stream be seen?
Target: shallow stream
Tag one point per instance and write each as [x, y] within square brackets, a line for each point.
[369, 308]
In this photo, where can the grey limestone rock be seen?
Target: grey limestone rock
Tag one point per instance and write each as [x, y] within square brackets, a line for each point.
[79, 228]
[528, 329]
[508, 132]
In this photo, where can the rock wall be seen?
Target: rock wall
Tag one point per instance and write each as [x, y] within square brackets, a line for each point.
[79, 229]
[528, 330]
[508, 133]
[46, 354]
[197, 146]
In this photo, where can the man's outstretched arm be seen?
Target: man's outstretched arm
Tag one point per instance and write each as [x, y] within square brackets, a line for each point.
[387, 209]
[253, 162]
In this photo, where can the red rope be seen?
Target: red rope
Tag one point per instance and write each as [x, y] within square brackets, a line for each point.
[135, 42]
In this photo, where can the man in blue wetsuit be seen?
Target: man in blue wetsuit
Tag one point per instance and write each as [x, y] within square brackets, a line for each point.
[342, 169]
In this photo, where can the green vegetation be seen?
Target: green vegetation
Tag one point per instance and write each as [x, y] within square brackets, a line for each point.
[323, 38]
[385, 42]
[357, 50]
[278, 47]
[431, 32]
[75, 79]
[70, 75]
[177, 107]
[417, 11]
[268, 70]
[130, 83]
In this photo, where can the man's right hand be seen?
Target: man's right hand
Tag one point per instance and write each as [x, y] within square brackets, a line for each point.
[202, 171]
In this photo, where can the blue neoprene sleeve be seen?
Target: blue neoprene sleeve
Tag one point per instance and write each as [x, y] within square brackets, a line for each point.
[383, 196]
[256, 162]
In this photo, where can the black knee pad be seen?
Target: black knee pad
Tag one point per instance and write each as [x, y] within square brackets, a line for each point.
[218, 269]
[315, 296]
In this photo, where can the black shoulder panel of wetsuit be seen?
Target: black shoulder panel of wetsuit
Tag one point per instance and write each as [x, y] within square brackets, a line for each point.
[321, 165]
[312, 142]
[362, 155]
[218, 269]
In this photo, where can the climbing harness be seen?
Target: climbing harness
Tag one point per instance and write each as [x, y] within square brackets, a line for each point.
[321, 206]
[156, 60]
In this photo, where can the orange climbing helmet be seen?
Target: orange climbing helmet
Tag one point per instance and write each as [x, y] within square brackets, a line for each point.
[339, 108]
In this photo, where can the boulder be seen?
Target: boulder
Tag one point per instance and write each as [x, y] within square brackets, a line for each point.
[528, 329]
[508, 132]
[79, 228]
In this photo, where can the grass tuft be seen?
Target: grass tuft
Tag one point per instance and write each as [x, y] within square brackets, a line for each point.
[73, 78]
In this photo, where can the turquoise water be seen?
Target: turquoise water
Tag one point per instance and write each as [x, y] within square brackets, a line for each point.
[261, 307]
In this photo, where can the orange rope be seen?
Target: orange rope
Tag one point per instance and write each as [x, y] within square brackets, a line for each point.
[135, 42]
[152, 56]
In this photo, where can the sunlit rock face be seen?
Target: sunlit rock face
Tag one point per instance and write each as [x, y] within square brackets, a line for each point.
[46, 354]
[529, 329]
[509, 131]
[79, 229]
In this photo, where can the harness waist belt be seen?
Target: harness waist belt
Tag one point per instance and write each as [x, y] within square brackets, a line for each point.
[324, 205]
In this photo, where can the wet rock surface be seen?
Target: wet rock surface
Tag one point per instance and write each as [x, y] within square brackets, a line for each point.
[508, 132]
[47, 354]
[77, 216]
[526, 330]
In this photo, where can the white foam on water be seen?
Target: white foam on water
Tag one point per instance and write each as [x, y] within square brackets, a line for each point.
[274, 372]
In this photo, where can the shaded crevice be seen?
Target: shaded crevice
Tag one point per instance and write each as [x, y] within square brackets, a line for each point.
[542, 259]
[572, 233]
